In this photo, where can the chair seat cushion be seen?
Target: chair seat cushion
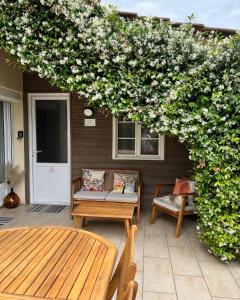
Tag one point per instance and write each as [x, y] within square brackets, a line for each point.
[119, 197]
[163, 202]
[88, 195]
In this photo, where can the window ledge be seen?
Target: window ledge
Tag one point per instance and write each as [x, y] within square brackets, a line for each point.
[138, 158]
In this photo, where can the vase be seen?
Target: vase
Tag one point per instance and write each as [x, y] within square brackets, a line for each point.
[11, 200]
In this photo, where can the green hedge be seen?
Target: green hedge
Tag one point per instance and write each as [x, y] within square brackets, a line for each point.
[172, 80]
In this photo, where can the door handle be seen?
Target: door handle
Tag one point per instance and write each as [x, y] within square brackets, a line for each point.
[36, 152]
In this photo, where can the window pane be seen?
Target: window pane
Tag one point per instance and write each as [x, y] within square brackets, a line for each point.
[149, 147]
[2, 152]
[126, 130]
[146, 134]
[51, 122]
[126, 146]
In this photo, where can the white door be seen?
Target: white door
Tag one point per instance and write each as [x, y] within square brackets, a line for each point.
[49, 148]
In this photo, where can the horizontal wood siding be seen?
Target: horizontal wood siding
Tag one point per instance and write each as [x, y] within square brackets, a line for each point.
[92, 146]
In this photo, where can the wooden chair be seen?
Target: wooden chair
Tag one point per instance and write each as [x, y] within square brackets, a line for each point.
[132, 290]
[184, 210]
[125, 272]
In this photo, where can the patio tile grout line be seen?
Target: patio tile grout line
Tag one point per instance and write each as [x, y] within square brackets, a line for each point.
[171, 264]
[143, 256]
[199, 265]
[236, 280]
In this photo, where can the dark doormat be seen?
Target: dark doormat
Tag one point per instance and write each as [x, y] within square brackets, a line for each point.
[4, 220]
[44, 208]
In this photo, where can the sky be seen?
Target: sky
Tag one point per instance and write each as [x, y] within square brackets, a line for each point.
[213, 13]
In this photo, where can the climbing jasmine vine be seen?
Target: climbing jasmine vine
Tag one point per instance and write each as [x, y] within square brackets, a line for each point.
[173, 80]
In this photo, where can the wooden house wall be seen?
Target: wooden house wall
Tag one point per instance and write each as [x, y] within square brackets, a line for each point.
[92, 146]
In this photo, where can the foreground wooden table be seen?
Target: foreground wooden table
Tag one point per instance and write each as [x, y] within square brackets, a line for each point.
[109, 210]
[54, 263]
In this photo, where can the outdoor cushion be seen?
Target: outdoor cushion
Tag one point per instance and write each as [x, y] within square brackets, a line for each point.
[88, 195]
[170, 205]
[183, 186]
[119, 197]
[128, 180]
[93, 180]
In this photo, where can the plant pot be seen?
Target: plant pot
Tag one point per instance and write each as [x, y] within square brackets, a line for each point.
[11, 200]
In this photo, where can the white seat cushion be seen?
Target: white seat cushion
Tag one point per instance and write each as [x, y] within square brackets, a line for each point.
[119, 197]
[89, 195]
[163, 202]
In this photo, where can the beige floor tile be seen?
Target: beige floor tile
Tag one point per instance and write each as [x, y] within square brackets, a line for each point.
[138, 256]
[156, 246]
[182, 241]
[234, 267]
[214, 298]
[201, 251]
[220, 280]
[158, 275]
[190, 287]
[139, 280]
[158, 296]
[156, 228]
[184, 261]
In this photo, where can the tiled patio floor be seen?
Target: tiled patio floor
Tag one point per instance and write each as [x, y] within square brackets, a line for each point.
[168, 268]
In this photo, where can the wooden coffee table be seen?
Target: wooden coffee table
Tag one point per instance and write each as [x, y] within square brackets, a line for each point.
[115, 211]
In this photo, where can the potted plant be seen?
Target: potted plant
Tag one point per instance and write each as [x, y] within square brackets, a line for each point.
[13, 175]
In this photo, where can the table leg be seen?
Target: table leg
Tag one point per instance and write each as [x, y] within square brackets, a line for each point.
[127, 226]
[131, 222]
[83, 222]
[77, 222]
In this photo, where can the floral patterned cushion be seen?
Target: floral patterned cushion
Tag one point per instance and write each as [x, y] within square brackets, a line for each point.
[93, 180]
[118, 187]
[128, 180]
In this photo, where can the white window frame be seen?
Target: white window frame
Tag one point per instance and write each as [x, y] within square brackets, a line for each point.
[137, 155]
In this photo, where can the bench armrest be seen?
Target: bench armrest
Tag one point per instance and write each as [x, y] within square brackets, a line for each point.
[160, 185]
[138, 188]
[76, 185]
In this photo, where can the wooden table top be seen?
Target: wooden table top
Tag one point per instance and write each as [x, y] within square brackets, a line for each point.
[54, 263]
[104, 210]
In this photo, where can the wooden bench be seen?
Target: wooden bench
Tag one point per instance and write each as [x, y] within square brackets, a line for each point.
[113, 211]
[99, 198]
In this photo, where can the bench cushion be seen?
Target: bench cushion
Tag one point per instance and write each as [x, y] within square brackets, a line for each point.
[119, 197]
[88, 195]
[170, 205]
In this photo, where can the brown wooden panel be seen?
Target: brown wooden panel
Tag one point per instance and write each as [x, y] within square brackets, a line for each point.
[92, 146]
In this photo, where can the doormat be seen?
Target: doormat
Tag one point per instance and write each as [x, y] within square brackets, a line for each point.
[4, 220]
[44, 208]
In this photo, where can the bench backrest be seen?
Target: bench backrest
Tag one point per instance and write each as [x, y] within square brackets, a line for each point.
[109, 175]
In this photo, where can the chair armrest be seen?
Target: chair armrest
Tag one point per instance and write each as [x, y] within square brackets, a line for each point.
[159, 186]
[139, 187]
[76, 185]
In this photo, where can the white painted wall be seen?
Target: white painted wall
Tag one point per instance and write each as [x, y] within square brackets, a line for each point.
[11, 78]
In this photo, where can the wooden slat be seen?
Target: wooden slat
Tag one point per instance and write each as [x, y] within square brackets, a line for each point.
[15, 242]
[5, 235]
[93, 275]
[104, 275]
[63, 275]
[83, 275]
[68, 284]
[16, 265]
[58, 267]
[104, 210]
[44, 257]
[54, 257]
[33, 259]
